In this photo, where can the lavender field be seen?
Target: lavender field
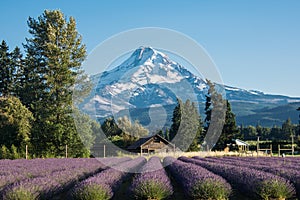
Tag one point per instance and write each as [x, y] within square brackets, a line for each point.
[214, 178]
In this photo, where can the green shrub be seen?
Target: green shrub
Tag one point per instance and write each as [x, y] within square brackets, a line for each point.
[151, 190]
[209, 190]
[19, 194]
[91, 192]
[275, 189]
[5, 152]
[14, 152]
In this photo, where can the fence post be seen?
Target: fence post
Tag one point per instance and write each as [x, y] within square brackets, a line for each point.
[257, 146]
[104, 151]
[66, 151]
[26, 152]
[293, 145]
[279, 150]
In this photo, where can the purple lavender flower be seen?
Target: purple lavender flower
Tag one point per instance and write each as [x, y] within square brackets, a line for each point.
[287, 169]
[46, 178]
[104, 183]
[254, 182]
[198, 182]
[152, 182]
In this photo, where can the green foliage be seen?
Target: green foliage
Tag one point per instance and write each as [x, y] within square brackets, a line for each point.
[210, 190]
[110, 127]
[134, 129]
[288, 129]
[230, 130]
[121, 133]
[248, 132]
[274, 189]
[15, 122]
[118, 141]
[84, 127]
[176, 120]
[276, 133]
[217, 109]
[20, 194]
[151, 190]
[196, 143]
[186, 126]
[8, 69]
[14, 152]
[91, 192]
[5, 153]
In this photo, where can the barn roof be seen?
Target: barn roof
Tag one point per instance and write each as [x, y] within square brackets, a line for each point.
[144, 140]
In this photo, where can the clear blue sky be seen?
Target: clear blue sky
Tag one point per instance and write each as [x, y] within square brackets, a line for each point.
[255, 44]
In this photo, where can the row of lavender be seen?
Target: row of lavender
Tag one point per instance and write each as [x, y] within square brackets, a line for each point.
[104, 184]
[200, 178]
[89, 179]
[197, 182]
[287, 168]
[252, 181]
[43, 179]
[152, 182]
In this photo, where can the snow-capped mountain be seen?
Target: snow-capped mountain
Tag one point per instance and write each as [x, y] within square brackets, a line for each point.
[148, 79]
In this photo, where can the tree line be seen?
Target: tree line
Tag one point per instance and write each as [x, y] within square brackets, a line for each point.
[275, 133]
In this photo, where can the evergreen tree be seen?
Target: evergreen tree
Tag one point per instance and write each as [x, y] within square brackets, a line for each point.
[17, 63]
[230, 130]
[176, 120]
[298, 132]
[167, 134]
[288, 129]
[185, 130]
[215, 111]
[197, 141]
[208, 105]
[161, 133]
[53, 61]
[6, 71]
[275, 133]
[249, 132]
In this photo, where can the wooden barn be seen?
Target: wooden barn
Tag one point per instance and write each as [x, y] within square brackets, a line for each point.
[151, 144]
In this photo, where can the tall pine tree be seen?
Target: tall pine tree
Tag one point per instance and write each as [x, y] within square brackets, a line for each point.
[215, 111]
[220, 124]
[53, 60]
[176, 119]
[7, 71]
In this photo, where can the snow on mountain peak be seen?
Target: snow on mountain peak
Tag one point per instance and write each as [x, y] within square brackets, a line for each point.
[146, 56]
[146, 68]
